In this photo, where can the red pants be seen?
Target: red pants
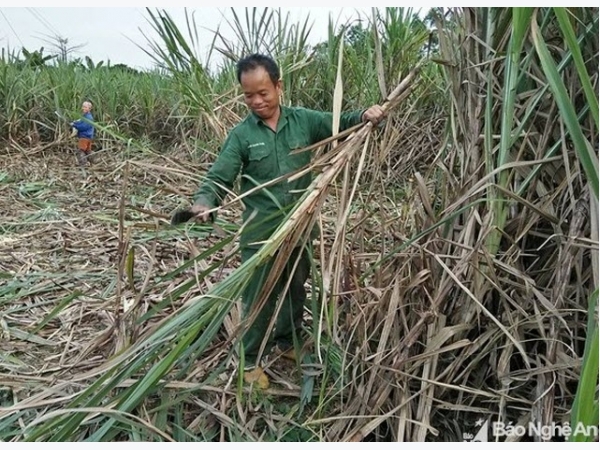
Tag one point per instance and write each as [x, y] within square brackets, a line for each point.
[85, 145]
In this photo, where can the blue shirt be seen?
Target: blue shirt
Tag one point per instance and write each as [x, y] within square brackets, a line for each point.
[84, 129]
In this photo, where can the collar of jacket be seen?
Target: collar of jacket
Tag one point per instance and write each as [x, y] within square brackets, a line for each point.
[284, 111]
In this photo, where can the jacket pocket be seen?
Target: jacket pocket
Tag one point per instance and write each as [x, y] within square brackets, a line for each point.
[260, 163]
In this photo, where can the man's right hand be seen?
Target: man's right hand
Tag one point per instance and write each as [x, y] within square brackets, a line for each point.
[200, 212]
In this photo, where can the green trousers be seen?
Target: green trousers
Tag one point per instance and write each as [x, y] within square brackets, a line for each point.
[289, 319]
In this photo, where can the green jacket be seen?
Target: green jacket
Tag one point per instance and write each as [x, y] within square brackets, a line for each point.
[263, 155]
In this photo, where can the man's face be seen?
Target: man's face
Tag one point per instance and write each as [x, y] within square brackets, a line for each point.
[260, 94]
[86, 107]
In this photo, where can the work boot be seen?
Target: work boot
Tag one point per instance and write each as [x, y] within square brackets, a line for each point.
[285, 350]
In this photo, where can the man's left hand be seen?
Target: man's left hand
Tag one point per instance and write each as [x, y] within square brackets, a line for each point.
[374, 114]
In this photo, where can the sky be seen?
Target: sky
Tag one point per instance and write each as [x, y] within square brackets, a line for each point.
[116, 33]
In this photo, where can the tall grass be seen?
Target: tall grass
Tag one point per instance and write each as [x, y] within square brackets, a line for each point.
[136, 105]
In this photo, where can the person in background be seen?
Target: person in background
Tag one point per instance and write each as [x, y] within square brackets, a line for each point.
[85, 134]
[260, 147]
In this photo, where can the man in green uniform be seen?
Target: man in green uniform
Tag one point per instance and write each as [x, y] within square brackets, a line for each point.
[260, 147]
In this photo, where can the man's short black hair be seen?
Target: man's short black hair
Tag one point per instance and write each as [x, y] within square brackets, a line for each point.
[256, 60]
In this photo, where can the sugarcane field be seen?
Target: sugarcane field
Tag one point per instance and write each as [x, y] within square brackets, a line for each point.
[428, 271]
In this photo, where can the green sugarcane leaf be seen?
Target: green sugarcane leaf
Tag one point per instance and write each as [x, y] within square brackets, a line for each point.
[583, 148]
[571, 39]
